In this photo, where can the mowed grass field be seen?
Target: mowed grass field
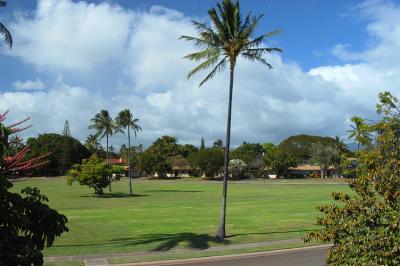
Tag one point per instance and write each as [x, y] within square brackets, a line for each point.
[178, 214]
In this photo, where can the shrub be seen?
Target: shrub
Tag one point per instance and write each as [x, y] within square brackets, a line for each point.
[94, 173]
[237, 168]
[365, 228]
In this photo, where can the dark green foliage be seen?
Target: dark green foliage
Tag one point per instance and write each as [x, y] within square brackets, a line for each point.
[300, 146]
[208, 161]
[166, 146]
[278, 160]
[152, 162]
[247, 152]
[202, 144]
[186, 150]
[365, 229]
[157, 158]
[27, 223]
[4, 31]
[64, 152]
[94, 173]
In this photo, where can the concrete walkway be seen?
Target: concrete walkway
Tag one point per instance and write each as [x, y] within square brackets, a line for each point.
[101, 259]
[306, 256]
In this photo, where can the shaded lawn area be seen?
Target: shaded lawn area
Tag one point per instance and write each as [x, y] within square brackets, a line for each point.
[180, 214]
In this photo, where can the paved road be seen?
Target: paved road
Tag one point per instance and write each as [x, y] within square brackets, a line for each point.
[297, 257]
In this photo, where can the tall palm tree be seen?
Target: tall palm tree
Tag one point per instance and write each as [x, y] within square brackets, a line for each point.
[105, 127]
[221, 44]
[125, 120]
[3, 29]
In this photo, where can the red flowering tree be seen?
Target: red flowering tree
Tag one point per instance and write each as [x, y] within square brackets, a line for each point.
[27, 224]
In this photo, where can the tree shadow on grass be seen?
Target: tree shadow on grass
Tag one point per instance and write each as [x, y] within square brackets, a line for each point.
[169, 241]
[173, 190]
[274, 232]
[114, 195]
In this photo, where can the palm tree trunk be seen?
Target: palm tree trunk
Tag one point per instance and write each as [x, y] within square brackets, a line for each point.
[221, 229]
[108, 163]
[358, 155]
[129, 162]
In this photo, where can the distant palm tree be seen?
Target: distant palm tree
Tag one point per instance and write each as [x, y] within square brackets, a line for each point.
[359, 132]
[340, 145]
[4, 31]
[112, 149]
[218, 143]
[105, 127]
[230, 36]
[92, 142]
[125, 120]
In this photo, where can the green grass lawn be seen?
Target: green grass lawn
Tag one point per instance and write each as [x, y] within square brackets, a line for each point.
[178, 214]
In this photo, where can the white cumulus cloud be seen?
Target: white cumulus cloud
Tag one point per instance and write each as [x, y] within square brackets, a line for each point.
[29, 85]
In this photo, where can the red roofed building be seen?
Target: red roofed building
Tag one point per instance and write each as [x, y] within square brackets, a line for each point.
[117, 161]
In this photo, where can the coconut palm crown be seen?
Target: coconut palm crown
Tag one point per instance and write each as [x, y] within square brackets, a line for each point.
[3, 29]
[229, 36]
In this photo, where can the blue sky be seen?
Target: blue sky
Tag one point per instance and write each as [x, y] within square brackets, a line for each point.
[311, 27]
[73, 58]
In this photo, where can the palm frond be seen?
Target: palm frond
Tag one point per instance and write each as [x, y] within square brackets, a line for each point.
[205, 54]
[262, 50]
[257, 41]
[7, 35]
[219, 67]
[256, 58]
[223, 35]
[225, 15]
[210, 62]
[202, 27]
[206, 33]
[246, 23]
[197, 41]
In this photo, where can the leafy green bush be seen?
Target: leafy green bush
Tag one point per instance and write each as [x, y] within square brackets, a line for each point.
[237, 168]
[365, 228]
[94, 173]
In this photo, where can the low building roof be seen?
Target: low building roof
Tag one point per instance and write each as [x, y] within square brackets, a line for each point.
[307, 167]
[117, 161]
[181, 164]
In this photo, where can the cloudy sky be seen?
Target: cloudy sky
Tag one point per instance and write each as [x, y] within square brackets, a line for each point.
[71, 59]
